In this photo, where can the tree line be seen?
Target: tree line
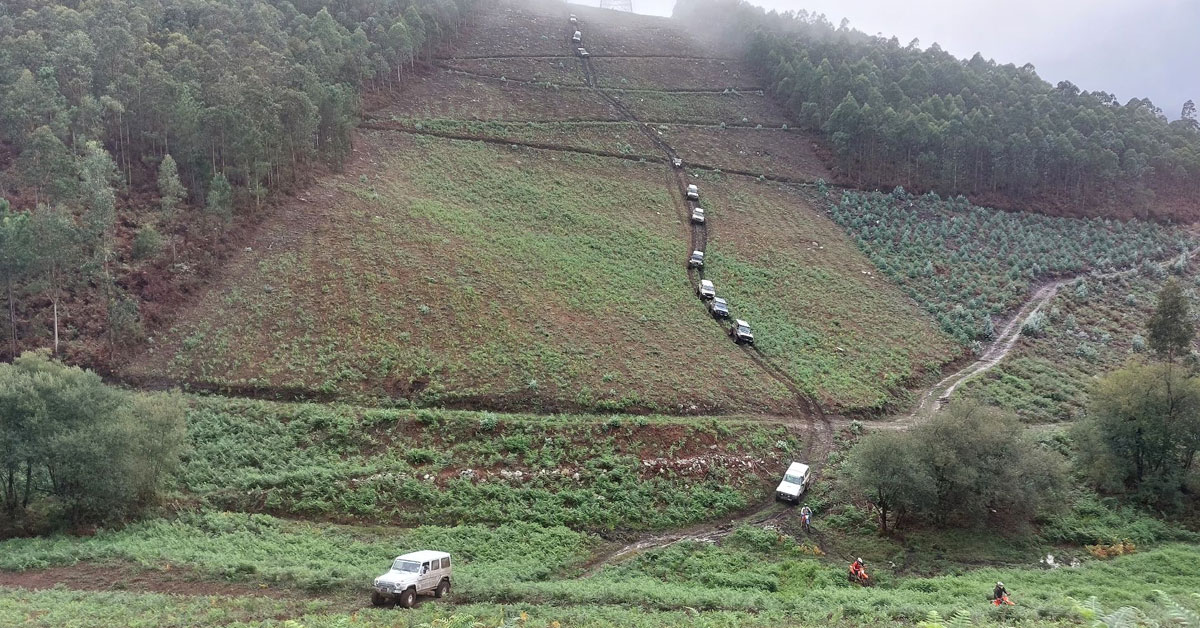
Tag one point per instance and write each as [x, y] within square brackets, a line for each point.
[902, 115]
[112, 108]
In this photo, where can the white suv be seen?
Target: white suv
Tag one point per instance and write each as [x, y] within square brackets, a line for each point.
[426, 572]
[795, 481]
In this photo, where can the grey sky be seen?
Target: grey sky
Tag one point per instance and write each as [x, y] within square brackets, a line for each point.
[1132, 48]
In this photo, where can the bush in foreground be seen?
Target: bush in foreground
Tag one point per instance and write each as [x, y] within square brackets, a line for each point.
[78, 450]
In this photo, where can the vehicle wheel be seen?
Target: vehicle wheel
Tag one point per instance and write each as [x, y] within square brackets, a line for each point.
[442, 589]
[409, 598]
[377, 599]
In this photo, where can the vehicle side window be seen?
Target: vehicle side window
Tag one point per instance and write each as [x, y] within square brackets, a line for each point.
[445, 563]
[424, 567]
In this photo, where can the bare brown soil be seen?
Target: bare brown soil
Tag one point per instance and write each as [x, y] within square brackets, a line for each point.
[553, 70]
[771, 152]
[508, 28]
[732, 109]
[675, 74]
[609, 139]
[443, 94]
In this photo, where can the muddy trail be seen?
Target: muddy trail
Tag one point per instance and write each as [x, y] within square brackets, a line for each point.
[701, 533]
[816, 429]
[677, 188]
[938, 396]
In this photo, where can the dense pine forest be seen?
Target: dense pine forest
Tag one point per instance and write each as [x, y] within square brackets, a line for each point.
[134, 133]
[899, 114]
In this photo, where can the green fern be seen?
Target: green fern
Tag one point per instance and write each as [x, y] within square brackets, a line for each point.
[960, 619]
[1126, 617]
[1180, 614]
[932, 620]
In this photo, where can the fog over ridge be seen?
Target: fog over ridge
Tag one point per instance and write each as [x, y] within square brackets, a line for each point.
[1130, 48]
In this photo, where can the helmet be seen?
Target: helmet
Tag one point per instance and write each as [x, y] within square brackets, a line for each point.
[860, 560]
[999, 584]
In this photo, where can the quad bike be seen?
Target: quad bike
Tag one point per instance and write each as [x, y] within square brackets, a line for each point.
[1002, 600]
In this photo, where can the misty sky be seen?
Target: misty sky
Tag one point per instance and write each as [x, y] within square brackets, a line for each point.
[1132, 48]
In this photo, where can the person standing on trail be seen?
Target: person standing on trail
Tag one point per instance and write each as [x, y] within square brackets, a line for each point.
[806, 516]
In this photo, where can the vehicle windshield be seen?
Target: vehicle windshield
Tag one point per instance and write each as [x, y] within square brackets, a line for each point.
[406, 566]
[793, 479]
[743, 329]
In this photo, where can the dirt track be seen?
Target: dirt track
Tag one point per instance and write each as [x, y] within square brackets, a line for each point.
[817, 429]
[934, 398]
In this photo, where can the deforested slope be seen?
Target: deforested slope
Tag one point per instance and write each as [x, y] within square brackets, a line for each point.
[541, 267]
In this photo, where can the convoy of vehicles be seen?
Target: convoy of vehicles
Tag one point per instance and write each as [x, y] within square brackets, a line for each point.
[429, 572]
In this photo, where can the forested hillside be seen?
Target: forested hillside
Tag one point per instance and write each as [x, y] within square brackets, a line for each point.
[899, 114]
[132, 132]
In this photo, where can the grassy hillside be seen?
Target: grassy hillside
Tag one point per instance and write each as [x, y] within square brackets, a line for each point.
[531, 279]
[454, 272]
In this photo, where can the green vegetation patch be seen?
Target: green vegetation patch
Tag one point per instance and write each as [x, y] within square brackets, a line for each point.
[58, 608]
[80, 609]
[315, 556]
[426, 466]
[817, 305]
[966, 264]
[752, 570]
[449, 271]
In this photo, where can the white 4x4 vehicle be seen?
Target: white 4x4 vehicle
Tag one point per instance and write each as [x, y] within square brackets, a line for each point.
[693, 193]
[795, 481]
[424, 573]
